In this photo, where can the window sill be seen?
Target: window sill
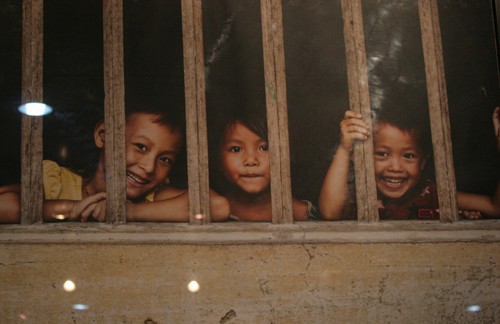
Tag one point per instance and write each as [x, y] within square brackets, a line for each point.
[253, 233]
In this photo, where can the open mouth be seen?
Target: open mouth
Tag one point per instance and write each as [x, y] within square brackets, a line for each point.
[393, 182]
[136, 179]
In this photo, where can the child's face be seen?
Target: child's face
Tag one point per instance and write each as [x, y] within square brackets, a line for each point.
[245, 159]
[398, 160]
[152, 149]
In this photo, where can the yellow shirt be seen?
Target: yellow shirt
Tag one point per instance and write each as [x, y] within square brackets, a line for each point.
[62, 183]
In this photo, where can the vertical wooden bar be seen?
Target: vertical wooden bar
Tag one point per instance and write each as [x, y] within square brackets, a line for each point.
[114, 112]
[276, 107]
[438, 109]
[196, 125]
[32, 127]
[359, 98]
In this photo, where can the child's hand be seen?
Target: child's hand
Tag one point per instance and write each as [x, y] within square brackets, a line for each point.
[88, 206]
[352, 128]
[470, 214]
[97, 211]
[496, 125]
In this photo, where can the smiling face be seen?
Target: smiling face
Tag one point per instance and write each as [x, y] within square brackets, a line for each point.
[152, 149]
[398, 160]
[244, 159]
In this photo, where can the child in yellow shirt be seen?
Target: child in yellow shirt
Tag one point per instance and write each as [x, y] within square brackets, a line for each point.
[153, 143]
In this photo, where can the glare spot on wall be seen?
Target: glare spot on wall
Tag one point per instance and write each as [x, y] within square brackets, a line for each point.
[473, 308]
[69, 286]
[193, 286]
[80, 307]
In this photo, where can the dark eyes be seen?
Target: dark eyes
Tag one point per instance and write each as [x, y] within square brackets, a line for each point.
[238, 149]
[144, 148]
[235, 149]
[166, 160]
[385, 154]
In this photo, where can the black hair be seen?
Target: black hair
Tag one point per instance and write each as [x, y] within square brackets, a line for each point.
[408, 114]
[168, 114]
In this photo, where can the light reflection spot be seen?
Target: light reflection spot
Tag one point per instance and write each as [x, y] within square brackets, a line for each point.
[199, 216]
[69, 286]
[23, 316]
[35, 109]
[473, 308]
[80, 307]
[193, 286]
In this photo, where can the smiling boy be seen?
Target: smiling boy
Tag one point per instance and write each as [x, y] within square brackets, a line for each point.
[153, 142]
[401, 149]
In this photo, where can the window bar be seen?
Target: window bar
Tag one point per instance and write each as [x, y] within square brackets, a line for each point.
[359, 98]
[32, 127]
[276, 107]
[438, 110]
[114, 112]
[196, 125]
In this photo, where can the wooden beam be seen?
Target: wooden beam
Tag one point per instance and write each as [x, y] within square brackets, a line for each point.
[438, 110]
[114, 112]
[32, 127]
[359, 98]
[196, 121]
[277, 114]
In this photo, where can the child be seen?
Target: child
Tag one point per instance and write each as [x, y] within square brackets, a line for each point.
[244, 163]
[401, 153]
[153, 143]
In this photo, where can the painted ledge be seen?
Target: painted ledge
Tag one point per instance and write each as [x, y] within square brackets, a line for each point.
[253, 233]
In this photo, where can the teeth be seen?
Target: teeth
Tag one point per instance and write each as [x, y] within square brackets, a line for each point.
[135, 179]
[392, 181]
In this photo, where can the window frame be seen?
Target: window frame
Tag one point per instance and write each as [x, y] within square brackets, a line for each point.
[276, 106]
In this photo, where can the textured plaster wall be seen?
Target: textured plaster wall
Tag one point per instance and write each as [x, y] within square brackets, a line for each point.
[295, 283]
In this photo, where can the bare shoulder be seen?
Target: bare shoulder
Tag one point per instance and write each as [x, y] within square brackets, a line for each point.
[169, 193]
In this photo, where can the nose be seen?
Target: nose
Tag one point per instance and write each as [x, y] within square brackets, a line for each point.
[250, 159]
[147, 163]
[395, 164]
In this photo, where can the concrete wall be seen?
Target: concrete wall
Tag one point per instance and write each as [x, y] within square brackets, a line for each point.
[250, 283]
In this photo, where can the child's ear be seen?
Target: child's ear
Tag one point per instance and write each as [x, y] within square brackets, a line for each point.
[99, 135]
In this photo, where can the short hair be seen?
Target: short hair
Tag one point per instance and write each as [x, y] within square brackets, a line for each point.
[168, 114]
[408, 114]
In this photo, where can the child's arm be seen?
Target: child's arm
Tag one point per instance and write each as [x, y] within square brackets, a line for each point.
[64, 209]
[333, 193]
[10, 204]
[486, 205]
[172, 205]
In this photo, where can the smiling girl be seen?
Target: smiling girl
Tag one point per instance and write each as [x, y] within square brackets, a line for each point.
[244, 164]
